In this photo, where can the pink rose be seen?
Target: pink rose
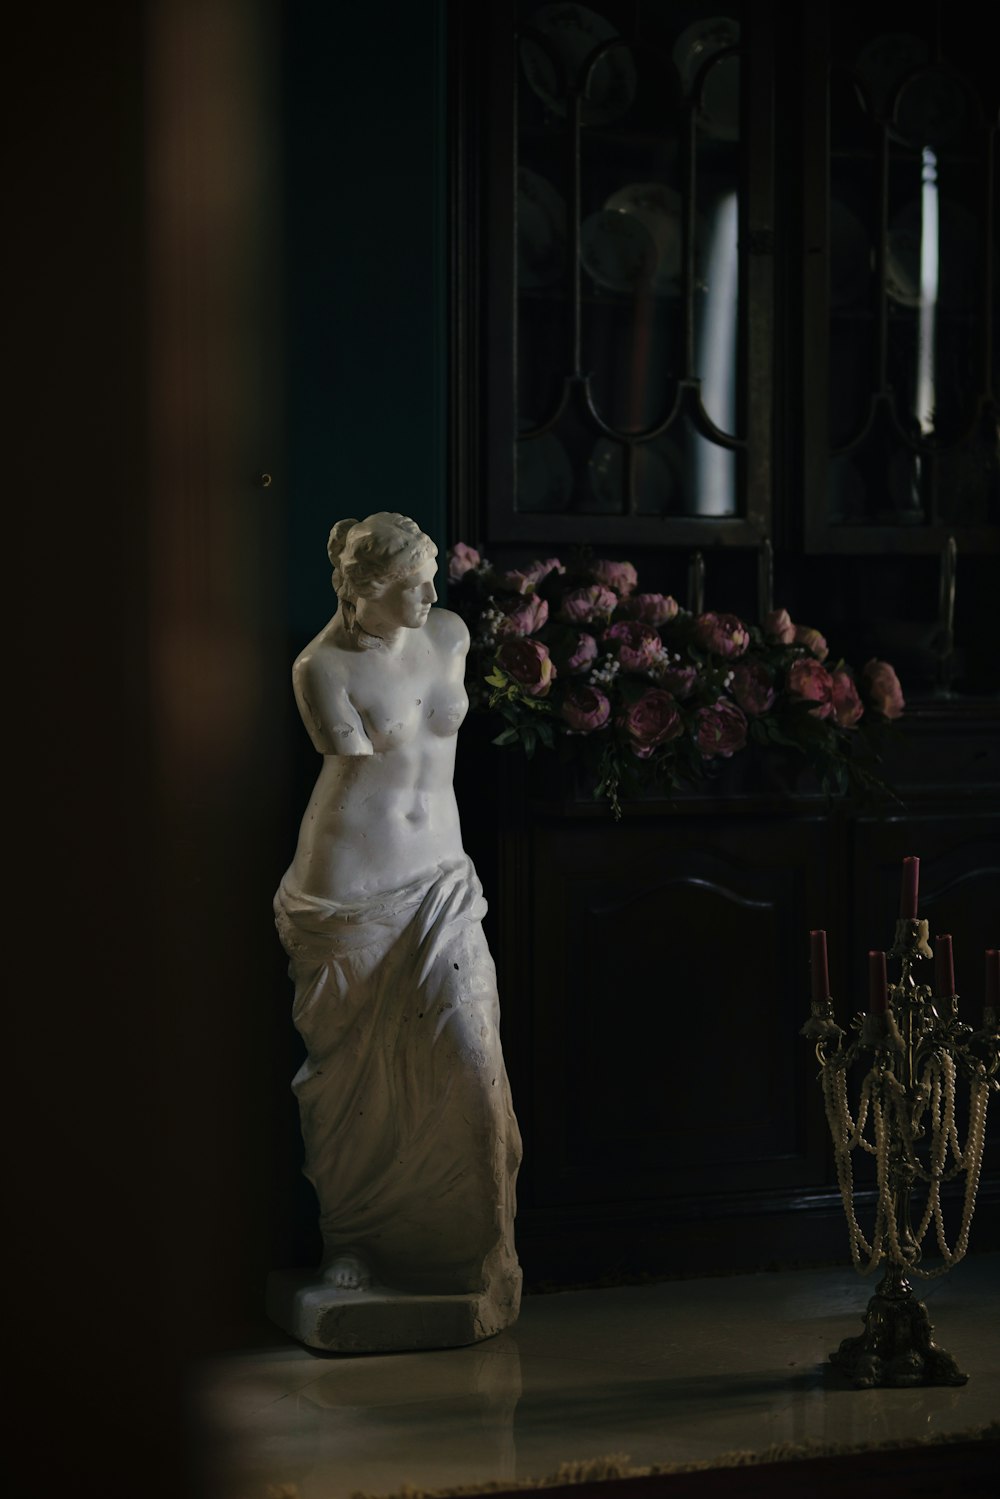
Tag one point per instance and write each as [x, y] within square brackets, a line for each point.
[847, 707]
[461, 559]
[522, 616]
[778, 627]
[812, 640]
[883, 689]
[528, 663]
[524, 579]
[517, 582]
[638, 645]
[722, 634]
[585, 709]
[582, 654]
[584, 604]
[721, 730]
[621, 576]
[652, 719]
[652, 608]
[752, 687]
[678, 679]
[809, 680]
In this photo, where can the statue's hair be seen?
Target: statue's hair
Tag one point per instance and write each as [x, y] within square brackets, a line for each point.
[370, 554]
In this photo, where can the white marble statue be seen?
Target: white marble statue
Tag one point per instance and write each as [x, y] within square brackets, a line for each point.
[410, 1137]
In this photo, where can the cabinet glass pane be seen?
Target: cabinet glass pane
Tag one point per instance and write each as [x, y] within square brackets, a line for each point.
[630, 161]
[912, 422]
[716, 245]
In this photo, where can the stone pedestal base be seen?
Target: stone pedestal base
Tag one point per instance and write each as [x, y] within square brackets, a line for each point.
[379, 1320]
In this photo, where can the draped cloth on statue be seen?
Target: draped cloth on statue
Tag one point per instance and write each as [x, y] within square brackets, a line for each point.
[411, 1140]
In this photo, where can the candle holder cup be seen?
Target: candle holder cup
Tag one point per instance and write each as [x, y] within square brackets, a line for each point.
[914, 1051]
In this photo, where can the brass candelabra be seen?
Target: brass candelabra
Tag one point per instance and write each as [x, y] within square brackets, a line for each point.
[914, 1050]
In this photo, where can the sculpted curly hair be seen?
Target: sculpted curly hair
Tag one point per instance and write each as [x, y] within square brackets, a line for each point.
[370, 554]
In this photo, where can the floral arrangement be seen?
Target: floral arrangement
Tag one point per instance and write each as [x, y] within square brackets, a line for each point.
[647, 694]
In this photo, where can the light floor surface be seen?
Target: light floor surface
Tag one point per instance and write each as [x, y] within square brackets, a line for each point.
[677, 1371]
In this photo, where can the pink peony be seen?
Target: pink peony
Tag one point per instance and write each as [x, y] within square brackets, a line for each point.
[847, 707]
[721, 730]
[652, 720]
[722, 634]
[584, 604]
[461, 559]
[809, 680]
[582, 654]
[638, 645]
[652, 608]
[528, 663]
[679, 679]
[585, 709]
[778, 627]
[882, 689]
[522, 616]
[525, 579]
[621, 576]
[752, 687]
[812, 640]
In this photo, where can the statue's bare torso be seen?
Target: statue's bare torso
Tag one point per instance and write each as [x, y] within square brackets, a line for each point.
[383, 811]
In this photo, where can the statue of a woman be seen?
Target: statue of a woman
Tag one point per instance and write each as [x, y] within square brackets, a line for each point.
[410, 1137]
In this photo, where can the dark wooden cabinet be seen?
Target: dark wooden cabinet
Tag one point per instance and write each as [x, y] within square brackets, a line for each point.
[654, 973]
[654, 977]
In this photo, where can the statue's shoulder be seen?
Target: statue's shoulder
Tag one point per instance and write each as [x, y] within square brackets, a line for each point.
[321, 678]
[449, 631]
[320, 661]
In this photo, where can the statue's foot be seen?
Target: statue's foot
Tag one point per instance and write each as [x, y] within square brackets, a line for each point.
[348, 1272]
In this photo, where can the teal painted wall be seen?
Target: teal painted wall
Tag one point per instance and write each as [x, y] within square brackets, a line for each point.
[365, 351]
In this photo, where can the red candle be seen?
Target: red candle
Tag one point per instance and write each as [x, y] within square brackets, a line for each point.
[817, 963]
[992, 1000]
[877, 996]
[944, 968]
[908, 888]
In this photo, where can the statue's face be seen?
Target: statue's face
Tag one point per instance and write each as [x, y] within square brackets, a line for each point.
[407, 601]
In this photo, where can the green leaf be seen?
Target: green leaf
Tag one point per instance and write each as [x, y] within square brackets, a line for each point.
[778, 736]
[837, 777]
[761, 730]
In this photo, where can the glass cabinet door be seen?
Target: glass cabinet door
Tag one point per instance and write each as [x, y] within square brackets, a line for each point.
[901, 414]
[637, 384]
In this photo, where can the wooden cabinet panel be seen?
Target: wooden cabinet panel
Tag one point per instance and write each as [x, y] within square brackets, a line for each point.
[669, 974]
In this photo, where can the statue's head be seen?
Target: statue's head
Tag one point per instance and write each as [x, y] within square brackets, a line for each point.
[370, 557]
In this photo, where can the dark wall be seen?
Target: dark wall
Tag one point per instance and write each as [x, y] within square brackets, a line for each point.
[80, 1199]
[158, 595]
[365, 267]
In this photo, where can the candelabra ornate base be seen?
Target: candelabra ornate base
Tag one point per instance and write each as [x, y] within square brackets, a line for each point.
[896, 1349]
